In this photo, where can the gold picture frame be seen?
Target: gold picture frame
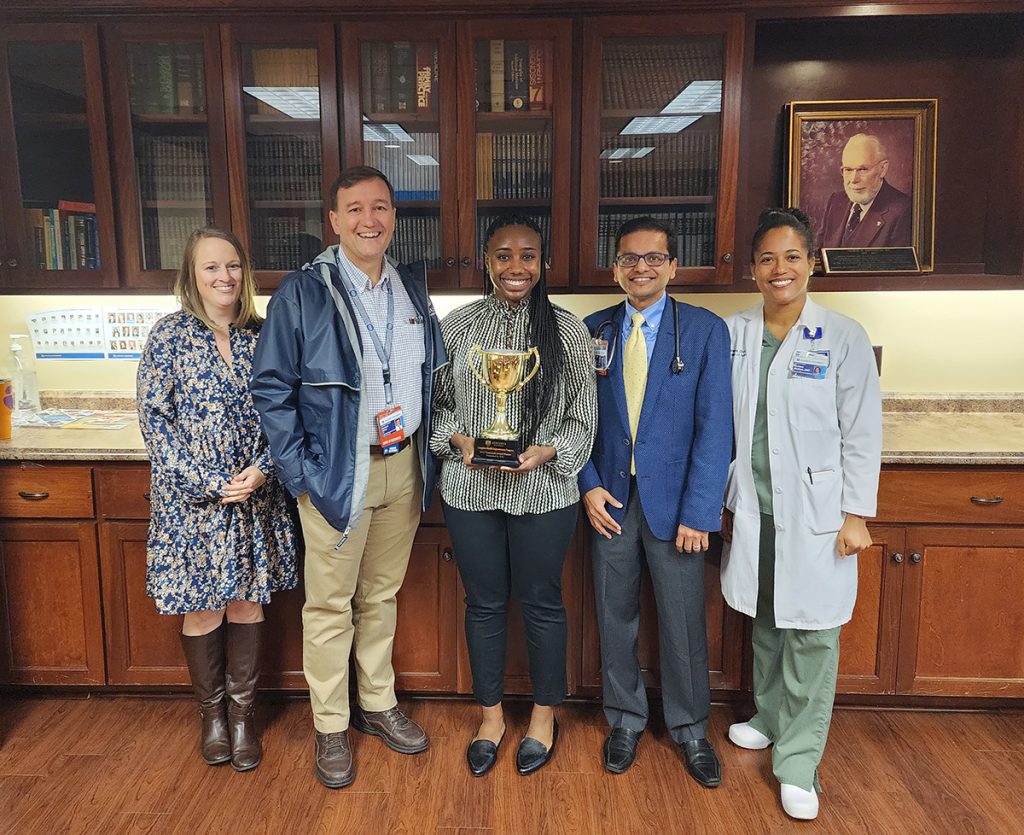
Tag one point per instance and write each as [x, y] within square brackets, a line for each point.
[875, 153]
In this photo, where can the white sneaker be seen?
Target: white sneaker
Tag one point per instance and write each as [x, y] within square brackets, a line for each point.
[747, 736]
[799, 803]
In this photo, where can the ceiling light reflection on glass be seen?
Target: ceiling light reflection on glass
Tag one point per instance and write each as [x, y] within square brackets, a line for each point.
[618, 154]
[422, 159]
[388, 132]
[296, 102]
[657, 124]
[697, 97]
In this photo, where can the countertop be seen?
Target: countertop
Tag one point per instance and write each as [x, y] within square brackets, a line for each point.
[934, 435]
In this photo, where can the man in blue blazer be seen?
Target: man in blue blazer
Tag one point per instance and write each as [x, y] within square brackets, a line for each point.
[653, 490]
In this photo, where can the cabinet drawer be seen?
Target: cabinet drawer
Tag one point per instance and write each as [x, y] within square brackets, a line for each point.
[122, 492]
[993, 497]
[31, 492]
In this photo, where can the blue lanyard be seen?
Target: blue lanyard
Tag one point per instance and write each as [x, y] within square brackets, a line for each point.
[383, 350]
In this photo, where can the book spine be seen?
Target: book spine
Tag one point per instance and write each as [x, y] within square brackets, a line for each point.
[482, 75]
[165, 78]
[517, 77]
[425, 60]
[380, 86]
[184, 88]
[497, 76]
[538, 71]
[403, 84]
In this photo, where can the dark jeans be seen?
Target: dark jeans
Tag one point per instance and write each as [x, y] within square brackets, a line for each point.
[497, 553]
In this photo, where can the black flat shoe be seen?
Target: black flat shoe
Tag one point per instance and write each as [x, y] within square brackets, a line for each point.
[481, 755]
[702, 762]
[620, 749]
[533, 755]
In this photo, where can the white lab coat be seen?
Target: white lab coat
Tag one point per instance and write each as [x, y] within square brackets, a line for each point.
[830, 427]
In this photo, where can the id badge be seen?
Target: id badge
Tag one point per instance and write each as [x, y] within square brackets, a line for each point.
[601, 361]
[810, 365]
[390, 429]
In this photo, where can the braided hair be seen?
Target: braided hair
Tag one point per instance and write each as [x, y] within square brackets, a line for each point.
[540, 391]
[790, 218]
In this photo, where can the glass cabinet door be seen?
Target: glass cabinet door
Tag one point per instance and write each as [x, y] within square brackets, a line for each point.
[283, 134]
[55, 180]
[657, 139]
[172, 166]
[519, 127]
[399, 118]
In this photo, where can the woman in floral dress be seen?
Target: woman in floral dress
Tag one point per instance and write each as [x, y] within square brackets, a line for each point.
[220, 535]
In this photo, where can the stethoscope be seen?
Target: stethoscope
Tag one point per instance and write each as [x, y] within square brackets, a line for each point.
[677, 365]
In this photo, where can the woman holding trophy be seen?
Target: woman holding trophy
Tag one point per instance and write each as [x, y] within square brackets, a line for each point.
[515, 416]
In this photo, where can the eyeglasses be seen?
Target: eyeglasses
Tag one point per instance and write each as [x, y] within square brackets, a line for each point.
[652, 259]
[846, 171]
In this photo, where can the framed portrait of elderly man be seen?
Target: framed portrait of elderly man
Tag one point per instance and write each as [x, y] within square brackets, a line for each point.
[864, 171]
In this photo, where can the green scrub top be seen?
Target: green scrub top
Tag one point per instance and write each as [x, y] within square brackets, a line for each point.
[759, 449]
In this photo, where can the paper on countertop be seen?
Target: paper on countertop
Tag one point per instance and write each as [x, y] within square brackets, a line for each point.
[76, 419]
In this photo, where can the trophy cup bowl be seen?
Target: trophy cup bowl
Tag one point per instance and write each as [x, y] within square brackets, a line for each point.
[503, 372]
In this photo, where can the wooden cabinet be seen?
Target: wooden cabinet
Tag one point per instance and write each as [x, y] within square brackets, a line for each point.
[962, 618]
[167, 111]
[55, 191]
[281, 104]
[446, 112]
[660, 137]
[938, 608]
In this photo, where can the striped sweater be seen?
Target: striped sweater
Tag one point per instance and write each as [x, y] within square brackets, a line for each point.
[463, 404]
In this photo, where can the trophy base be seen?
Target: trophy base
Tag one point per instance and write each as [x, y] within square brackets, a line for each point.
[496, 452]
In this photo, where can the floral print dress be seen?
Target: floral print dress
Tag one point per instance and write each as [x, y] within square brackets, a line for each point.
[200, 429]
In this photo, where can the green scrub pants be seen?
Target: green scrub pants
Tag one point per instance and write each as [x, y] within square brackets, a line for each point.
[794, 679]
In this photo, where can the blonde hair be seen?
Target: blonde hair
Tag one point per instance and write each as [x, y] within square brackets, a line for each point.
[188, 293]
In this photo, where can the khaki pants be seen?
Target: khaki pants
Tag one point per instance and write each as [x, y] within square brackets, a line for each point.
[350, 592]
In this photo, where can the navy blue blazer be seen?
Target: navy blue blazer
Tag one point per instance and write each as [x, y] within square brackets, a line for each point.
[684, 439]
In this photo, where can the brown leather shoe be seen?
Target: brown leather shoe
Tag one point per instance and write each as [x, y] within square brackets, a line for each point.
[204, 655]
[397, 730]
[335, 766]
[243, 670]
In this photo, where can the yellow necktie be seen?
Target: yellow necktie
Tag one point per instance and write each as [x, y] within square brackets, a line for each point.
[634, 377]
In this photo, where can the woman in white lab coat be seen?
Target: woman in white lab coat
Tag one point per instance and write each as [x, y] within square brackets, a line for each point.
[808, 423]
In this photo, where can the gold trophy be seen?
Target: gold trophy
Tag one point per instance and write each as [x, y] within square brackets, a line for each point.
[506, 372]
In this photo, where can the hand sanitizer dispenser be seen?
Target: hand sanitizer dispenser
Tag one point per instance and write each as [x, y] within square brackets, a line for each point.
[26, 385]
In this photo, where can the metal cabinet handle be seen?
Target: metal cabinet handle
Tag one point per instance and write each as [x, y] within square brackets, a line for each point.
[449, 262]
[146, 495]
[987, 500]
[12, 262]
[916, 557]
[726, 257]
[33, 497]
[897, 557]
[447, 555]
[466, 262]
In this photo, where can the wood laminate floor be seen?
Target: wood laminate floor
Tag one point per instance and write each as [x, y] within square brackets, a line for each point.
[130, 764]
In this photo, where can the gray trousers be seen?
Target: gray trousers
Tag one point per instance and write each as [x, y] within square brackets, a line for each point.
[678, 581]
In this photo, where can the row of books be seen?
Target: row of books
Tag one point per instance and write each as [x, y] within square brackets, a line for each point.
[166, 78]
[284, 166]
[417, 238]
[647, 75]
[695, 236]
[65, 236]
[399, 77]
[412, 167]
[164, 235]
[172, 167]
[513, 166]
[683, 163]
[283, 242]
[513, 75]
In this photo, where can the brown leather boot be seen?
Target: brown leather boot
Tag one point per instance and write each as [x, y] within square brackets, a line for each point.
[243, 669]
[204, 655]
